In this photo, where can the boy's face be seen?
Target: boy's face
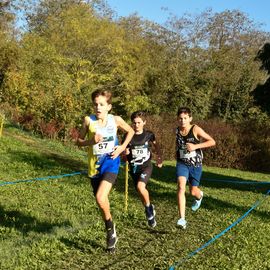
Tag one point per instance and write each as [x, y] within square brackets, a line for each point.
[184, 120]
[138, 124]
[101, 107]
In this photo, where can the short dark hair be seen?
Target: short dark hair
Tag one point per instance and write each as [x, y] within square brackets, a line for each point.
[184, 110]
[140, 114]
[104, 93]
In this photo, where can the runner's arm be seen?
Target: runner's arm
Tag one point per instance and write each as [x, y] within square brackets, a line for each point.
[123, 125]
[82, 141]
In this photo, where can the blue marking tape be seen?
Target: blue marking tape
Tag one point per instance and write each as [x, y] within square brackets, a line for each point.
[172, 267]
[42, 178]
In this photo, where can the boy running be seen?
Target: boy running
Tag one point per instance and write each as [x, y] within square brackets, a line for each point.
[139, 158]
[99, 132]
[189, 160]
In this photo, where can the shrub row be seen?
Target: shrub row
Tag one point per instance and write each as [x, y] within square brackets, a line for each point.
[244, 146]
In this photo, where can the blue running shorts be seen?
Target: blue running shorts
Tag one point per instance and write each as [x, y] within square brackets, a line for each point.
[191, 173]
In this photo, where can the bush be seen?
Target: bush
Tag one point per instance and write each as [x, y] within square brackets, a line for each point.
[227, 153]
[244, 146]
[51, 129]
[255, 138]
[73, 134]
[164, 128]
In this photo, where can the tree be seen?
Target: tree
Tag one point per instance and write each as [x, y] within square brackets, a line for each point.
[262, 91]
[8, 46]
[225, 44]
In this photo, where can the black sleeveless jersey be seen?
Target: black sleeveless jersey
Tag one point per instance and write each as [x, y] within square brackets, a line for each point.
[139, 148]
[193, 158]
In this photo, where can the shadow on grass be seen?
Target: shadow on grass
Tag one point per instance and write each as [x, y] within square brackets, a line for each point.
[167, 175]
[125, 256]
[211, 203]
[47, 161]
[25, 223]
[213, 180]
[156, 231]
[80, 244]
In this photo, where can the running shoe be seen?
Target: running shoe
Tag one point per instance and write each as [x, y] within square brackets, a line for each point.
[182, 223]
[197, 203]
[111, 238]
[150, 215]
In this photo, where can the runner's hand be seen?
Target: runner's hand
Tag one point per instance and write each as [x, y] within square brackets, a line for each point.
[117, 151]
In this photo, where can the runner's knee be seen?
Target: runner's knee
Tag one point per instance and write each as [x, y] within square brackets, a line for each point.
[101, 200]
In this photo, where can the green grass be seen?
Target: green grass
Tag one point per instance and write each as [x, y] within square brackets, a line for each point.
[56, 224]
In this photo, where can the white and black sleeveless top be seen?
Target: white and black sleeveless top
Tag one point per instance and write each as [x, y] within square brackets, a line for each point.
[193, 158]
[140, 154]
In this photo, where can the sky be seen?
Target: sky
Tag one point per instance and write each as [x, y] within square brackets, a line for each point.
[257, 10]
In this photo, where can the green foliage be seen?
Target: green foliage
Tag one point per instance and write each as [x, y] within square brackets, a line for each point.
[70, 48]
[261, 93]
[8, 45]
[223, 49]
[6, 16]
[264, 57]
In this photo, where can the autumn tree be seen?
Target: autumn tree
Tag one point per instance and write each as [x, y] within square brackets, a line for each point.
[8, 46]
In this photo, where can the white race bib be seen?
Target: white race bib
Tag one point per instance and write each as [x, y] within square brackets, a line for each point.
[186, 154]
[104, 147]
[139, 152]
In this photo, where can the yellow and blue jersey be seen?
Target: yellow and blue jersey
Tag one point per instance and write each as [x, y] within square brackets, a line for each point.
[99, 159]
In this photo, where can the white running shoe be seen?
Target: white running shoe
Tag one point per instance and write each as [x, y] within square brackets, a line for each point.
[197, 203]
[182, 223]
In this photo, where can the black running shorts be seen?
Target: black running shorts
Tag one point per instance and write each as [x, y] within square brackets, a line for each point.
[108, 176]
[142, 174]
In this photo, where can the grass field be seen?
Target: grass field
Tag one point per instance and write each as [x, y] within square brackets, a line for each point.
[55, 224]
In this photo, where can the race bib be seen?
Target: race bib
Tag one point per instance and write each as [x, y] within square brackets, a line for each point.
[186, 154]
[104, 147]
[140, 152]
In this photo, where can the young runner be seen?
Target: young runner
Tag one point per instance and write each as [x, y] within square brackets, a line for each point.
[99, 132]
[190, 139]
[139, 158]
